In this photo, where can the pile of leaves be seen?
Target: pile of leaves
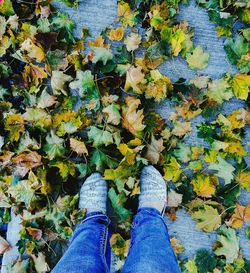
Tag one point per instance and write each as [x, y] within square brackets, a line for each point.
[67, 111]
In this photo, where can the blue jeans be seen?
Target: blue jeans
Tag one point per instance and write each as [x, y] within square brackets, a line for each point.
[150, 248]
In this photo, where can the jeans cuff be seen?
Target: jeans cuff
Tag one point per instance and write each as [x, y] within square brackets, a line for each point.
[98, 215]
[149, 210]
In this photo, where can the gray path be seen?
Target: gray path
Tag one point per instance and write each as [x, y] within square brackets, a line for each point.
[98, 14]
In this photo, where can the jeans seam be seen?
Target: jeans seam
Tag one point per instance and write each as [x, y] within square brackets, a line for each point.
[103, 247]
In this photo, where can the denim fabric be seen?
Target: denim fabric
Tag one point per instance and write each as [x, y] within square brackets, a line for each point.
[89, 250]
[150, 248]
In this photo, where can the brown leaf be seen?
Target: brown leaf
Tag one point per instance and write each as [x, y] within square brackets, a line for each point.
[132, 119]
[78, 146]
[154, 150]
[35, 233]
[4, 245]
[28, 160]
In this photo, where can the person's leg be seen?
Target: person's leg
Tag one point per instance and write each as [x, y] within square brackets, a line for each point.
[89, 250]
[150, 248]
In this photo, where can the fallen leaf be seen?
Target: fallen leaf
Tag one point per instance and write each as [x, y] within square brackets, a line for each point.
[132, 118]
[78, 146]
[154, 150]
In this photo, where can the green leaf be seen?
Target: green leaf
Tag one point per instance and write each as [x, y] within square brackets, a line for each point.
[117, 201]
[66, 168]
[102, 160]
[191, 267]
[227, 244]
[240, 85]
[183, 152]
[208, 218]
[204, 261]
[223, 169]
[101, 54]
[86, 85]
[219, 91]
[235, 48]
[22, 192]
[198, 59]
[247, 232]
[54, 146]
[99, 137]
[6, 7]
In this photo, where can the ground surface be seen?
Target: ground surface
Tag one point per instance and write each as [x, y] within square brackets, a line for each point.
[98, 14]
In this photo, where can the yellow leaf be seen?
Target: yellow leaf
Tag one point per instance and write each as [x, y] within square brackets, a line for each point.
[32, 50]
[116, 34]
[244, 180]
[124, 10]
[240, 85]
[78, 146]
[132, 118]
[181, 128]
[15, 125]
[134, 77]
[204, 185]
[172, 170]
[211, 156]
[158, 86]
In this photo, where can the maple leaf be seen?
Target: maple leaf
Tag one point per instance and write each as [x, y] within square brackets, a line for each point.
[183, 152]
[23, 192]
[28, 160]
[78, 146]
[54, 146]
[154, 150]
[33, 51]
[99, 137]
[235, 48]
[172, 170]
[243, 179]
[15, 125]
[204, 185]
[204, 261]
[132, 118]
[219, 90]
[117, 203]
[208, 218]
[116, 34]
[197, 59]
[85, 83]
[66, 168]
[227, 244]
[132, 41]
[46, 100]
[112, 111]
[58, 82]
[223, 169]
[158, 86]
[240, 85]
[101, 54]
[241, 214]
[134, 77]
[181, 128]
[191, 267]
